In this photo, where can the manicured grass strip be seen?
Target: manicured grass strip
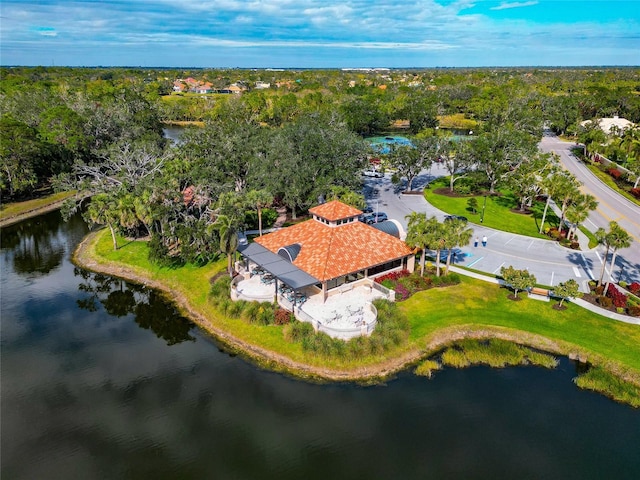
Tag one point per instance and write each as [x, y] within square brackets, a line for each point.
[497, 213]
[599, 380]
[606, 178]
[9, 210]
[474, 304]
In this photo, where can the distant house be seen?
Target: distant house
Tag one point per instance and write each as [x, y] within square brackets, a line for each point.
[262, 85]
[178, 86]
[334, 248]
[204, 88]
[615, 125]
[236, 89]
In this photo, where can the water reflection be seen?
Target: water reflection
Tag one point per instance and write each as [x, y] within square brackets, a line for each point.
[120, 298]
[36, 246]
[91, 390]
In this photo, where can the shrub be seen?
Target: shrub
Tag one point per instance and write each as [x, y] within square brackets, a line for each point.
[635, 192]
[622, 284]
[634, 288]
[599, 290]
[296, 331]
[426, 368]
[393, 276]
[615, 173]
[634, 310]
[605, 302]
[620, 310]
[618, 298]
[282, 317]
[221, 286]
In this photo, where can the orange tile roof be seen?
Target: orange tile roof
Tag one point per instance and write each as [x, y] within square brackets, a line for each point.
[334, 210]
[328, 252]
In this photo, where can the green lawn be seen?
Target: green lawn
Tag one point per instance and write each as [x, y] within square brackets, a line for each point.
[471, 306]
[497, 213]
[480, 304]
[18, 208]
[607, 180]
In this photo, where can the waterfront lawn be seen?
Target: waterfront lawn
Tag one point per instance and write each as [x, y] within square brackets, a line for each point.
[14, 209]
[497, 213]
[476, 304]
[469, 307]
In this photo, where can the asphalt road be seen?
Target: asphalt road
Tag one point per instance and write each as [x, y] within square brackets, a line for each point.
[547, 260]
[611, 205]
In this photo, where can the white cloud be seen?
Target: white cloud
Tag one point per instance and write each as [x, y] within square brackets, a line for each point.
[506, 5]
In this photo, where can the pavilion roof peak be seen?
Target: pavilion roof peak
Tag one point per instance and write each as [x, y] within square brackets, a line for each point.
[334, 210]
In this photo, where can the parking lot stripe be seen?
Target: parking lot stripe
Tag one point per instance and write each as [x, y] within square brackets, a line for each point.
[498, 269]
[474, 262]
[577, 272]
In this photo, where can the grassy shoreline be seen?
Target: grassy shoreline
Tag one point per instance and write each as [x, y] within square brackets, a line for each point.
[439, 318]
[15, 212]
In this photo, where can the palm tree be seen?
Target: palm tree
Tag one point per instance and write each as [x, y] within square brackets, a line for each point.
[568, 188]
[550, 186]
[456, 235]
[259, 199]
[618, 238]
[579, 210]
[417, 235]
[102, 210]
[603, 238]
[227, 228]
[436, 239]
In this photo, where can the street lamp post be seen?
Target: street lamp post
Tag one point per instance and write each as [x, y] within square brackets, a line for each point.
[484, 205]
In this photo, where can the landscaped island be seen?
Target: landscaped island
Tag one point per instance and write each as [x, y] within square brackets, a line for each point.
[436, 317]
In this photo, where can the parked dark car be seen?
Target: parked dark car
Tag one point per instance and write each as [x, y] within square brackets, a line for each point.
[375, 218]
[451, 218]
[457, 255]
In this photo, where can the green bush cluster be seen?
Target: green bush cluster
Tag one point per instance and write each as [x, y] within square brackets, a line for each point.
[496, 353]
[256, 313]
[392, 330]
[599, 380]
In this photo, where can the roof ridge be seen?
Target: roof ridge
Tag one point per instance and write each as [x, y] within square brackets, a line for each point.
[326, 258]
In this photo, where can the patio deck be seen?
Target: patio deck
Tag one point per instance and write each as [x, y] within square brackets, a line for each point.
[347, 312]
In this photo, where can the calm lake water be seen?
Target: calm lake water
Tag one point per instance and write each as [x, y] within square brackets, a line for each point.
[102, 379]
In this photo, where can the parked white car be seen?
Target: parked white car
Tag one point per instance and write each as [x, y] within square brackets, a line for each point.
[373, 173]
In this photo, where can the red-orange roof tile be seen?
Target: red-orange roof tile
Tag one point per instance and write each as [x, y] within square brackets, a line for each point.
[334, 210]
[332, 251]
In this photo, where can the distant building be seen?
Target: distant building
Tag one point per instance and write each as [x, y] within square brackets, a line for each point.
[615, 125]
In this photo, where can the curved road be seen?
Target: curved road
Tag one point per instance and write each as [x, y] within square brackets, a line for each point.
[611, 206]
[547, 260]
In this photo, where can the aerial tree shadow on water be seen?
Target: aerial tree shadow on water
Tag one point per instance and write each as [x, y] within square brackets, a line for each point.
[150, 310]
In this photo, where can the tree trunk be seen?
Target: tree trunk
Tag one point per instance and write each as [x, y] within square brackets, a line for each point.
[230, 264]
[544, 213]
[422, 261]
[437, 262]
[560, 304]
[604, 266]
[260, 221]
[612, 265]
[113, 237]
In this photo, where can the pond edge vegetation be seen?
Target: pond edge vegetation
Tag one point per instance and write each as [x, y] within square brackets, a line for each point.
[612, 378]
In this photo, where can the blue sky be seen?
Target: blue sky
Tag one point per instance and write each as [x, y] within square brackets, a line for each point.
[310, 33]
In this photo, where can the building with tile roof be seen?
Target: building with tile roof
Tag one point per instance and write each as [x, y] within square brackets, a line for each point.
[335, 248]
